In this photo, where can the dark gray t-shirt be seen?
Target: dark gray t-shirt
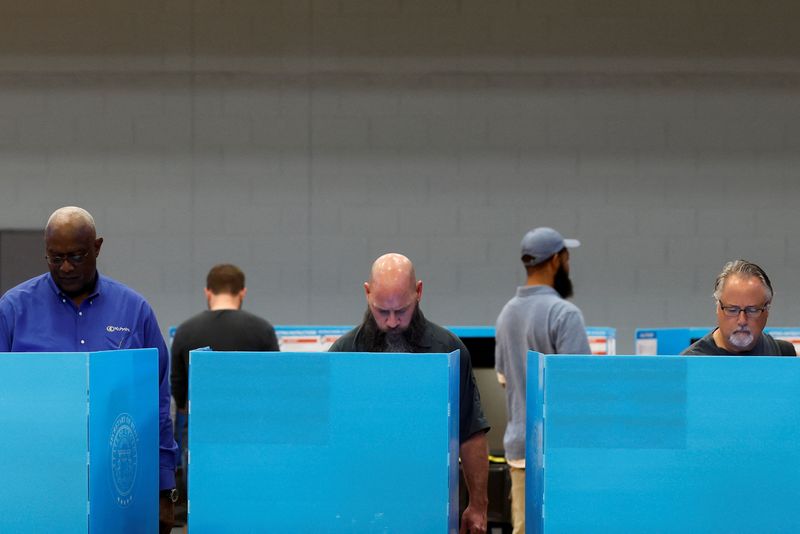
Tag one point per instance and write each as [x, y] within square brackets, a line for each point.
[220, 330]
[766, 346]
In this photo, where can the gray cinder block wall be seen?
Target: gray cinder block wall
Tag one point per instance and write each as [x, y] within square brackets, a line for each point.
[301, 139]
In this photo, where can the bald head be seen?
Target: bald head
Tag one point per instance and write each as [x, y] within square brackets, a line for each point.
[393, 292]
[393, 270]
[71, 218]
[71, 249]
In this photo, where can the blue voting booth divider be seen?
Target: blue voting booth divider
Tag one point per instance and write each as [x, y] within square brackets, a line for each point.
[323, 442]
[59, 411]
[659, 341]
[672, 444]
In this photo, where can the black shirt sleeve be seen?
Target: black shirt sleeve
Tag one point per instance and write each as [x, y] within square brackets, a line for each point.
[179, 376]
[270, 338]
[786, 348]
[471, 418]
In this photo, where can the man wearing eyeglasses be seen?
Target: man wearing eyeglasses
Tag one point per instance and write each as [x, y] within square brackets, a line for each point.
[73, 308]
[743, 294]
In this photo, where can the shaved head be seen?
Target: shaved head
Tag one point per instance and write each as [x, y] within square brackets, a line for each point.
[393, 270]
[393, 292]
[73, 217]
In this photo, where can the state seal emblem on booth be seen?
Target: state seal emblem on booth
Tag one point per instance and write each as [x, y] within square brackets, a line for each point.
[124, 457]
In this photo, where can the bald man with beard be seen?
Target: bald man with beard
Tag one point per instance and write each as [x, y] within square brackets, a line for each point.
[394, 322]
[73, 308]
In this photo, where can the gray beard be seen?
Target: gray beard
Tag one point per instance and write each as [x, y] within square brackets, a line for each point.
[397, 343]
[740, 339]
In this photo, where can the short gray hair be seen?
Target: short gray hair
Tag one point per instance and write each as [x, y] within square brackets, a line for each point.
[742, 268]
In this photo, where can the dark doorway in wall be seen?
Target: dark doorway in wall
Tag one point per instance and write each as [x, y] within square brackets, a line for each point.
[21, 257]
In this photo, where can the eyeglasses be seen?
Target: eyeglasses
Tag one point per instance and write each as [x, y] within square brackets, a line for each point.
[73, 259]
[750, 311]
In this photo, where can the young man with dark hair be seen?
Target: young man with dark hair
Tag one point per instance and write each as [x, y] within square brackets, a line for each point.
[223, 326]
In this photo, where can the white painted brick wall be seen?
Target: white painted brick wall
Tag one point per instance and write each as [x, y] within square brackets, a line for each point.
[302, 139]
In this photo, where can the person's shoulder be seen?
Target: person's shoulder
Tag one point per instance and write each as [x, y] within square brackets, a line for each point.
[704, 346]
[693, 350]
[255, 318]
[195, 321]
[346, 342]
[441, 335]
[509, 307]
[562, 305]
[21, 290]
[122, 296]
[548, 298]
[784, 348]
[30, 295]
[117, 288]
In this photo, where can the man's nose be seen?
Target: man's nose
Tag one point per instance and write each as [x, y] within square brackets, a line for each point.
[741, 318]
[66, 267]
[393, 320]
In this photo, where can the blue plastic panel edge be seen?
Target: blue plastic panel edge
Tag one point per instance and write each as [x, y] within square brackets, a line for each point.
[454, 364]
[124, 441]
[534, 440]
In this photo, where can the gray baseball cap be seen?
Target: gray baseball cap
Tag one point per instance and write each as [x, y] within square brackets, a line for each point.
[541, 243]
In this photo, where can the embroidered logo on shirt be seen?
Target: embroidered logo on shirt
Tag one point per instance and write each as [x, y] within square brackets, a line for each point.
[111, 328]
[123, 442]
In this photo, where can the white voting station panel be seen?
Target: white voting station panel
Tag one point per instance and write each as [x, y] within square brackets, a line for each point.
[602, 340]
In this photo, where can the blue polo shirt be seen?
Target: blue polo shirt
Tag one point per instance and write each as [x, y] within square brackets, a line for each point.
[36, 316]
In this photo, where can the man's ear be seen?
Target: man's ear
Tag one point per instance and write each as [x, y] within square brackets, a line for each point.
[556, 261]
[97, 244]
[242, 294]
[366, 289]
[419, 290]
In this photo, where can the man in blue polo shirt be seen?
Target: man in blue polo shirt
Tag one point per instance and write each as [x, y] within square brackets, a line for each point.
[75, 309]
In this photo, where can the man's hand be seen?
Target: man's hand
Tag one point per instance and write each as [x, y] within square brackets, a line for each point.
[166, 513]
[473, 521]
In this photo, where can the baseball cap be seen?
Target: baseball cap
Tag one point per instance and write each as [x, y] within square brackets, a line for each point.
[541, 243]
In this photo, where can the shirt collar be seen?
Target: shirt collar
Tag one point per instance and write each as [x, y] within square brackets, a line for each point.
[98, 286]
[527, 291]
